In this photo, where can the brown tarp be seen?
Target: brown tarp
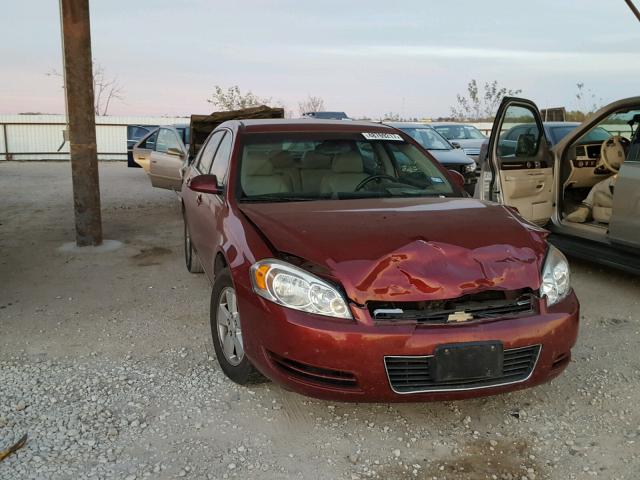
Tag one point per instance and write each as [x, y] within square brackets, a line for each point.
[203, 125]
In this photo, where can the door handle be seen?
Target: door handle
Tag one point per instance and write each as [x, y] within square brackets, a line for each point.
[199, 199]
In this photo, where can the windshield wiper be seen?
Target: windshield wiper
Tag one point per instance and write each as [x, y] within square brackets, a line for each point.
[270, 198]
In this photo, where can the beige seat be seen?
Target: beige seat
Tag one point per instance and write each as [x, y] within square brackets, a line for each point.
[346, 173]
[258, 177]
[602, 206]
[284, 164]
[313, 168]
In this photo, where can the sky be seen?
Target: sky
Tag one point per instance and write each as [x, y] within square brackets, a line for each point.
[366, 58]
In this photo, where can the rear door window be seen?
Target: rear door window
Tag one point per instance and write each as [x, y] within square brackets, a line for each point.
[150, 141]
[208, 151]
[220, 164]
[167, 139]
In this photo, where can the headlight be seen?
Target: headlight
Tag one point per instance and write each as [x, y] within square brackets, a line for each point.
[555, 277]
[470, 168]
[295, 288]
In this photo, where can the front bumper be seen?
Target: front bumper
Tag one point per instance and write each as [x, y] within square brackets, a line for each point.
[337, 360]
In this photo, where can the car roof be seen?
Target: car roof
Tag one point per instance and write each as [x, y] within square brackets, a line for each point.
[173, 125]
[408, 124]
[307, 125]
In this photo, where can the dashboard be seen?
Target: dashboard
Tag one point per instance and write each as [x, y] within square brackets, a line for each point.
[584, 170]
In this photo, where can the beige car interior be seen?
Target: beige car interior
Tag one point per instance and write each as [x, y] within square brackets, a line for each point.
[525, 187]
[316, 173]
[269, 169]
[314, 167]
[346, 173]
[259, 177]
[602, 207]
[594, 167]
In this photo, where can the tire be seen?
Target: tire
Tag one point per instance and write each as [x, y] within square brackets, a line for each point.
[226, 333]
[191, 259]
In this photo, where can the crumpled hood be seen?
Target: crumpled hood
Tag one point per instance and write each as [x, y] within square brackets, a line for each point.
[407, 249]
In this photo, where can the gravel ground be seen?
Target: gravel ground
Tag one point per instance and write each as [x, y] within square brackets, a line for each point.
[105, 361]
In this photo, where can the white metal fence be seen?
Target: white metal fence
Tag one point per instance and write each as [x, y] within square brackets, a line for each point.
[41, 137]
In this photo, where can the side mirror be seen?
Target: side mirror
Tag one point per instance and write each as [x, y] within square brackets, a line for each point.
[457, 178]
[205, 184]
[176, 152]
[456, 145]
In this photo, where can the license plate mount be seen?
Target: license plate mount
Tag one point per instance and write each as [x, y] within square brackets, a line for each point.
[467, 361]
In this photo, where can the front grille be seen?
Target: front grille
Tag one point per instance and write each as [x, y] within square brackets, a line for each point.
[310, 373]
[484, 305]
[413, 374]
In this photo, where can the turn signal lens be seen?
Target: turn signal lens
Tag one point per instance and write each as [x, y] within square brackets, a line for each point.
[260, 276]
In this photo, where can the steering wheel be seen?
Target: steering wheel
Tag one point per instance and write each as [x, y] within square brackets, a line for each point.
[371, 178]
[613, 152]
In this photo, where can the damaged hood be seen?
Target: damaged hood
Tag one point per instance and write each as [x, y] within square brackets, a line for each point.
[404, 249]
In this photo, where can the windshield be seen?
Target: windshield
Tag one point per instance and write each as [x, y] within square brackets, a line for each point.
[459, 132]
[428, 138]
[322, 166]
[597, 135]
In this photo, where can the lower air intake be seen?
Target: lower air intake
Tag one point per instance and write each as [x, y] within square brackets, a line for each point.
[413, 374]
[310, 373]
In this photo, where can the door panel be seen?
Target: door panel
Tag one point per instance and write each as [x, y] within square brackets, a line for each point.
[165, 168]
[625, 221]
[519, 171]
[203, 210]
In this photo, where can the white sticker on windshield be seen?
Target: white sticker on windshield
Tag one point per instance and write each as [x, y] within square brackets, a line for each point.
[382, 136]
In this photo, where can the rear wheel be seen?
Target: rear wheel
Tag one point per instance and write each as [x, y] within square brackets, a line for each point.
[190, 256]
[226, 331]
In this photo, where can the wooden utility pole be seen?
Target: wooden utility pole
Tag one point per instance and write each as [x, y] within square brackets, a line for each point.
[78, 83]
[633, 8]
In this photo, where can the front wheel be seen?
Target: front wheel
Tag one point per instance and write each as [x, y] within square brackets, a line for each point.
[190, 256]
[226, 331]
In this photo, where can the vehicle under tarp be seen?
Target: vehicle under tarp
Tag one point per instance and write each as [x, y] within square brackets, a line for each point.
[203, 125]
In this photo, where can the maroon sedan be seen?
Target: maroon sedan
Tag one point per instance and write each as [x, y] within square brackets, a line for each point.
[347, 264]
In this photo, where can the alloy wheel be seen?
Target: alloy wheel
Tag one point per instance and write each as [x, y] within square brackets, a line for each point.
[229, 331]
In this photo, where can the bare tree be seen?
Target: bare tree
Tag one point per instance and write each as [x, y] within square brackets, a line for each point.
[311, 104]
[105, 88]
[233, 99]
[480, 106]
[391, 117]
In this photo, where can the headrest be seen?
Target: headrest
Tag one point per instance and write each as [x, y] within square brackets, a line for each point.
[258, 164]
[350, 162]
[282, 159]
[316, 161]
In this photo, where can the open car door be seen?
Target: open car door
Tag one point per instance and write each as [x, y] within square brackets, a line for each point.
[624, 227]
[167, 159]
[142, 150]
[518, 170]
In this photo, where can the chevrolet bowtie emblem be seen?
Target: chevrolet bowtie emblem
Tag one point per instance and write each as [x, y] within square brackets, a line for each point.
[459, 317]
